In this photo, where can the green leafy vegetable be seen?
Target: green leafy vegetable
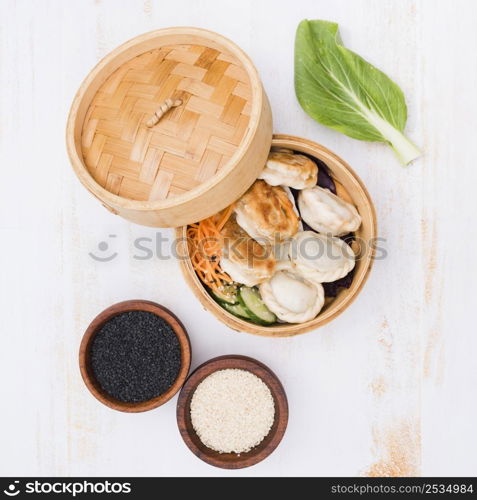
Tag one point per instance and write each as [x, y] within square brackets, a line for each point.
[341, 90]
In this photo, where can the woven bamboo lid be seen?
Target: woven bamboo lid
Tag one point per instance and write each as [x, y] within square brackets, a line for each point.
[170, 127]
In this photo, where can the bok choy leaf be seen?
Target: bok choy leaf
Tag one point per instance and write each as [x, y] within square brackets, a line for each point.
[341, 90]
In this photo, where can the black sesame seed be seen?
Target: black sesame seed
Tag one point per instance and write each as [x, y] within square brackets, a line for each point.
[135, 356]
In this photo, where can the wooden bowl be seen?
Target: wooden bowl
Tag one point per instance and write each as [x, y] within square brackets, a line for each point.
[96, 325]
[367, 234]
[232, 460]
[211, 138]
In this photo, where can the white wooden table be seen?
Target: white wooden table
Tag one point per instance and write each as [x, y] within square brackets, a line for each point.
[389, 388]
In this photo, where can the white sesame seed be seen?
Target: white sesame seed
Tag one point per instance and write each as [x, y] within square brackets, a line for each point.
[232, 411]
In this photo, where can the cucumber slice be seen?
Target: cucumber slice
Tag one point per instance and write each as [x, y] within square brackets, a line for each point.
[236, 309]
[228, 295]
[251, 300]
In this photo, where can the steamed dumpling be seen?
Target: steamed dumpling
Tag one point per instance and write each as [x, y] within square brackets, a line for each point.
[288, 169]
[292, 201]
[266, 213]
[242, 273]
[292, 298]
[326, 213]
[321, 258]
[243, 259]
[289, 193]
[280, 248]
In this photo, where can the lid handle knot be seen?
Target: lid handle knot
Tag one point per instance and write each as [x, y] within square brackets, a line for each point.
[162, 110]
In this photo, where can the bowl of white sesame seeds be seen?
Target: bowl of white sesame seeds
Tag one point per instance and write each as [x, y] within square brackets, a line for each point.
[232, 412]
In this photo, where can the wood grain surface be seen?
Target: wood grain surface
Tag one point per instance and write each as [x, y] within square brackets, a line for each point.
[388, 388]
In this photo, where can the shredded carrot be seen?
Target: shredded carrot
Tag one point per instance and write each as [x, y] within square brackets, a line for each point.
[205, 248]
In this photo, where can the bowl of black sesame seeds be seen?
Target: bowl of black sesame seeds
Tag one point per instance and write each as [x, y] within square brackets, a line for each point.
[135, 356]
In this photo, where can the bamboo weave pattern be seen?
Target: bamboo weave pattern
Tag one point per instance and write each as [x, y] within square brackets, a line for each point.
[189, 144]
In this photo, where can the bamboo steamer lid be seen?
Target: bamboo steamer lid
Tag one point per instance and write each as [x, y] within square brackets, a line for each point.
[171, 127]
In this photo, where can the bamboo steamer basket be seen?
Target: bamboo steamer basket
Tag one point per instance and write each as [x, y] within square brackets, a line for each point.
[172, 127]
[169, 126]
[351, 187]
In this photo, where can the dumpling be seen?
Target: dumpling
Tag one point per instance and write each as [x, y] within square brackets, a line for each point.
[326, 213]
[292, 199]
[280, 249]
[292, 298]
[241, 273]
[321, 258]
[288, 169]
[266, 213]
[295, 208]
[243, 259]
